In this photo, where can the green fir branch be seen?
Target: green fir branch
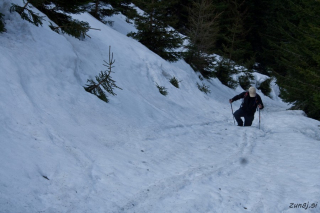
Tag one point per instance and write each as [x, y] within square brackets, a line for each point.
[27, 14]
[104, 83]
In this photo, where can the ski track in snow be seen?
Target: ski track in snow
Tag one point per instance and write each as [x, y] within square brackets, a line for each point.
[158, 191]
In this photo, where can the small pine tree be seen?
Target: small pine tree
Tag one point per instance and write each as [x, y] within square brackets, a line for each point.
[174, 82]
[2, 28]
[104, 83]
[162, 90]
[203, 88]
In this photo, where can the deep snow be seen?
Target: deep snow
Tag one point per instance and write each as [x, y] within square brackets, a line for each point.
[64, 150]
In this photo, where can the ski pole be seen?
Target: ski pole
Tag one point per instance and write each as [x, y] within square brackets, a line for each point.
[232, 114]
[259, 117]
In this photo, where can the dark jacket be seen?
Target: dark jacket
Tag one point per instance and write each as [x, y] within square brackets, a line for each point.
[249, 105]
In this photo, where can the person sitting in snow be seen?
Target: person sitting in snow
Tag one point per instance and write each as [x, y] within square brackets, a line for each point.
[251, 100]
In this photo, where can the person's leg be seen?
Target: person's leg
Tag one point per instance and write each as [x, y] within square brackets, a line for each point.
[248, 120]
[237, 115]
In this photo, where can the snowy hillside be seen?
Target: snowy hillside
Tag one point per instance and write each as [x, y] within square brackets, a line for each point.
[65, 150]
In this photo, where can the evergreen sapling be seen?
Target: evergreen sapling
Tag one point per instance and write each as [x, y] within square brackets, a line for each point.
[175, 82]
[104, 83]
[203, 88]
[162, 90]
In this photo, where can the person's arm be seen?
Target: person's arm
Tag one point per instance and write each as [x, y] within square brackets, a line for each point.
[237, 97]
[260, 102]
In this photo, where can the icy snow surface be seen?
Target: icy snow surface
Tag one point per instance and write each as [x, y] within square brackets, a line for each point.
[64, 150]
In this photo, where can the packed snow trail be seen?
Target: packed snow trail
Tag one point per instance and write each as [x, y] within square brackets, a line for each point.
[256, 175]
[64, 150]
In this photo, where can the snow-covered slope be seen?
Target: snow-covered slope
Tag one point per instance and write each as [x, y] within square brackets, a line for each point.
[64, 150]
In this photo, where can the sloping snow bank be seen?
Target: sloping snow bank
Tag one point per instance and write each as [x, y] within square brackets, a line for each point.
[64, 150]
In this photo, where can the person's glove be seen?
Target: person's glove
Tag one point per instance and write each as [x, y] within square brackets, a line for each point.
[230, 101]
